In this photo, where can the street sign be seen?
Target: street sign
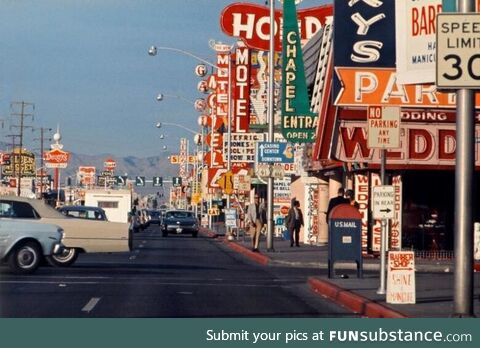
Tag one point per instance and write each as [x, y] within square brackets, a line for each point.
[226, 182]
[121, 180]
[213, 211]
[458, 57]
[176, 181]
[273, 152]
[263, 170]
[278, 172]
[383, 199]
[230, 217]
[401, 277]
[139, 181]
[157, 181]
[383, 127]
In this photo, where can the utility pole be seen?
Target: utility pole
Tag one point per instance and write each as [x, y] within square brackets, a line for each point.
[13, 159]
[42, 139]
[22, 114]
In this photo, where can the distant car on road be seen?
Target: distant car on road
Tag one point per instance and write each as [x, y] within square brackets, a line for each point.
[84, 212]
[155, 216]
[179, 222]
[80, 235]
[24, 244]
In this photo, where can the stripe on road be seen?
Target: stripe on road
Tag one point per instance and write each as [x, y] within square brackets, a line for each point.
[91, 304]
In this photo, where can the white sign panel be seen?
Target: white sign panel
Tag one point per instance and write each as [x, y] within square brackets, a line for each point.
[458, 45]
[415, 40]
[242, 147]
[401, 277]
[383, 202]
[383, 127]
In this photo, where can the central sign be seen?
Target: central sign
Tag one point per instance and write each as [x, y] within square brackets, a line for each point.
[272, 152]
[383, 127]
[458, 45]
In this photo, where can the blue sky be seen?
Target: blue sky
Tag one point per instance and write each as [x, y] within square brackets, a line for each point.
[84, 64]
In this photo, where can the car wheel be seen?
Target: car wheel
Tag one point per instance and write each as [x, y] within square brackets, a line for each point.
[25, 258]
[65, 259]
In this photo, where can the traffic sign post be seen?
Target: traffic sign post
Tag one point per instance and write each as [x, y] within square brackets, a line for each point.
[458, 63]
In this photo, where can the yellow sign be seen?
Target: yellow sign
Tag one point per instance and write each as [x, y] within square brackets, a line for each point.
[226, 182]
[213, 211]
[196, 198]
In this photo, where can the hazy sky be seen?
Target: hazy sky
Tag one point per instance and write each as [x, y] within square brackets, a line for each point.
[84, 64]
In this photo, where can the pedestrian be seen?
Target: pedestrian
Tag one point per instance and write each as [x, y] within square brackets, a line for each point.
[351, 199]
[256, 218]
[294, 223]
[339, 199]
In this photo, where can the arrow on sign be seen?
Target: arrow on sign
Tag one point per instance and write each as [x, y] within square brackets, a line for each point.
[387, 210]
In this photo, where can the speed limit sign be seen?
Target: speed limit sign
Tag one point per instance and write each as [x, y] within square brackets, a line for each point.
[458, 50]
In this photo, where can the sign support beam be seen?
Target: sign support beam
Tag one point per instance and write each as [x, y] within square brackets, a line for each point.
[464, 170]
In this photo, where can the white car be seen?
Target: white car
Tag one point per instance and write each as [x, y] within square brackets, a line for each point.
[24, 244]
[80, 235]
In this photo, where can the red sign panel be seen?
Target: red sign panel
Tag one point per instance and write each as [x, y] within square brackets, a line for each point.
[251, 23]
[56, 158]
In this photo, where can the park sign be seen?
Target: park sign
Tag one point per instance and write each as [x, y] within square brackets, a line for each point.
[56, 158]
[298, 123]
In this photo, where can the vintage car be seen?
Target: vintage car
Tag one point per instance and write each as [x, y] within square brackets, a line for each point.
[179, 222]
[80, 235]
[83, 212]
[24, 244]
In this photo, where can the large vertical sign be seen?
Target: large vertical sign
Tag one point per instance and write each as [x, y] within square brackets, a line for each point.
[415, 44]
[298, 123]
[241, 90]
[364, 35]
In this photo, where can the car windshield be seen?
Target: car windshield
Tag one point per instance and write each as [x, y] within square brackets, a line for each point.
[179, 214]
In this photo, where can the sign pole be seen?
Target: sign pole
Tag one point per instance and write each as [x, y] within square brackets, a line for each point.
[383, 239]
[271, 119]
[465, 157]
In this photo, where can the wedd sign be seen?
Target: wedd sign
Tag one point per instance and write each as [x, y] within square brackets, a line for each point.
[458, 50]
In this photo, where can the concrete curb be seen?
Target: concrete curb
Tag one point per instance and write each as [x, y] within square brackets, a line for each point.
[355, 303]
[257, 257]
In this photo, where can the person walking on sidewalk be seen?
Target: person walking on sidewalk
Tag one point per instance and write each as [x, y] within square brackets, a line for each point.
[339, 199]
[256, 217]
[294, 222]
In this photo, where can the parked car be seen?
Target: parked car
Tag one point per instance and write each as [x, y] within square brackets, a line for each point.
[179, 222]
[80, 235]
[24, 244]
[84, 212]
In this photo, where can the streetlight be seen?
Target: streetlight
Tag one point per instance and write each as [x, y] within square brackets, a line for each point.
[160, 124]
[161, 96]
[153, 50]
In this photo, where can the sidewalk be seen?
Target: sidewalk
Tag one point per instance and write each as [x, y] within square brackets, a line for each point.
[434, 280]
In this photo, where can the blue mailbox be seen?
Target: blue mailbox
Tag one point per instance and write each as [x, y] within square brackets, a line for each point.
[345, 238]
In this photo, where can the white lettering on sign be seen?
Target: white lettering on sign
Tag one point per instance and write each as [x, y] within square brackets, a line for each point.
[346, 224]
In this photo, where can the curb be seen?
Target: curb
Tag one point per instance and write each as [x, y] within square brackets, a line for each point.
[356, 303]
[257, 257]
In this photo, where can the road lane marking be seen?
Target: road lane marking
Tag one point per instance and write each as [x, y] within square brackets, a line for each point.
[91, 304]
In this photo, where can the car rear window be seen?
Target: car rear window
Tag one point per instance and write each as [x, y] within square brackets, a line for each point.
[179, 214]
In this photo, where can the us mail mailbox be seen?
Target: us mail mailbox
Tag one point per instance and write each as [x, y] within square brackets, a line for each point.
[345, 236]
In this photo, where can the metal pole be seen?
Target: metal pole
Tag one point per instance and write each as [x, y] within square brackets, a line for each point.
[383, 239]
[464, 170]
[271, 119]
[229, 129]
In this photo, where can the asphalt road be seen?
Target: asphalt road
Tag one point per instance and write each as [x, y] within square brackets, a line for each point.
[177, 276]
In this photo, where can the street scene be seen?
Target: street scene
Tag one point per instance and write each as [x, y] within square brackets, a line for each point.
[307, 159]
